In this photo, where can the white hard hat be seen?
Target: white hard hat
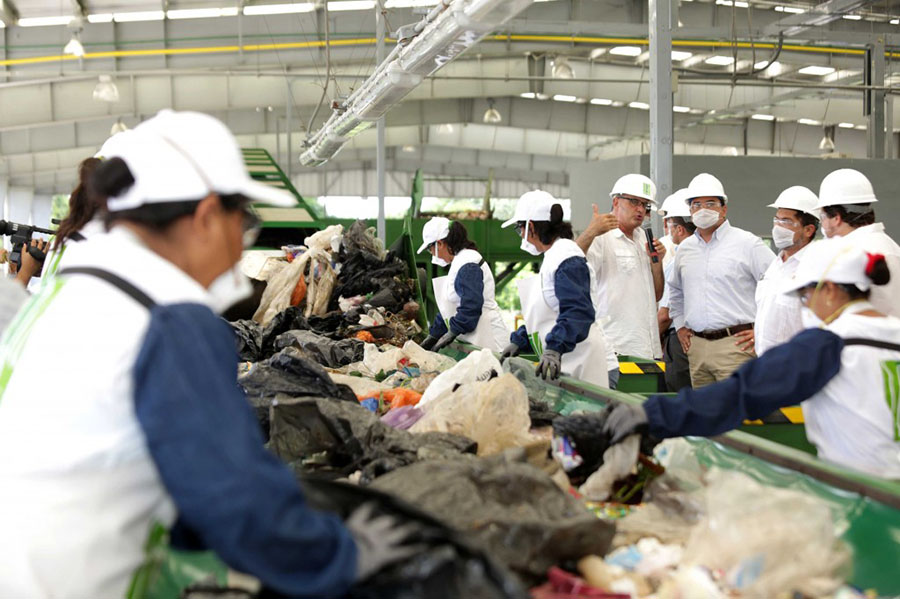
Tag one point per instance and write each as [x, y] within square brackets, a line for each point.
[845, 186]
[798, 198]
[635, 185]
[177, 156]
[434, 230]
[534, 206]
[837, 260]
[674, 205]
[705, 185]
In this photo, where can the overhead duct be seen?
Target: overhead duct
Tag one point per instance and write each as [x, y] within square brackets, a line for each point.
[451, 28]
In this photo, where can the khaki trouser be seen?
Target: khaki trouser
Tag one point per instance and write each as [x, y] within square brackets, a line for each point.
[713, 361]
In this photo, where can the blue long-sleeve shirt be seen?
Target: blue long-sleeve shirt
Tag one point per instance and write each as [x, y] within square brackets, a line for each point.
[469, 286]
[238, 499]
[784, 376]
[572, 284]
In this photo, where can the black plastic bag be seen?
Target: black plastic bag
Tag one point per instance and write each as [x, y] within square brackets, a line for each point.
[289, 319]
[248, 335]
[507, 506]
[338, 438]
[291, 374]
[585, 435]
[324, 351]
[448, 567]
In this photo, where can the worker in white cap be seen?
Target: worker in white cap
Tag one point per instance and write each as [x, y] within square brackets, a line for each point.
[845, 367]
[629, 271]
[713, 285]
[465, 297]
[559, 303]
[142, 422]
[846, 202]
[793, 229]
[677, 220]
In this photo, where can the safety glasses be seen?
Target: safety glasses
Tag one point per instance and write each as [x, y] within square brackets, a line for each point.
[785, 222]
[708, 204]
[636, 203]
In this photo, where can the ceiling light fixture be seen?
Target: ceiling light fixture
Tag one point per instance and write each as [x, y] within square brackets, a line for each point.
[846, 125]
[492, 116]
[736, 3]
[201, 13]
[601, 102]
[852, 17]
[762, 117]
[564, 98]
[597, 53]
[280, 9]
[351, 5]
[410, 3]
[146, 15]
[103, 17]
[626, 51]
[562, 69]
[106, 90]
[895, 21]
[827, 143]
[74, 47]
[812, 122]
[682, 109]
[719, 61]
[816, 70]
[794, 10]
[408, 149]
[762, 63]
[445, 128]
[43, 21]
[528, 95]
[730, 151]
[679, 55]
[639, 105]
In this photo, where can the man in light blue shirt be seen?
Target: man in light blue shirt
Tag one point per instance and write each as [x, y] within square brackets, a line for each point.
[712, 286]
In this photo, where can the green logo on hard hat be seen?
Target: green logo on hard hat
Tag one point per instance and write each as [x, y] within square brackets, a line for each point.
[647, 188]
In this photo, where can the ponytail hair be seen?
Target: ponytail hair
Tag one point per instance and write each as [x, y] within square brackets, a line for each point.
[83, 205]
[877, 269]
[112, 178]
[458, 240]
[555, 228]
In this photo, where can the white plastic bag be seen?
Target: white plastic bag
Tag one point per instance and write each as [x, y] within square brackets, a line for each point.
[477, 366]
[618, 462]
[494, 414]
[767, 540]
[375, 360]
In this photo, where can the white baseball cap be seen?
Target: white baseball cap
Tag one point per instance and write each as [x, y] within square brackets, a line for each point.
[178, 156]
[434, 230]
[532, 206]
[837, 260]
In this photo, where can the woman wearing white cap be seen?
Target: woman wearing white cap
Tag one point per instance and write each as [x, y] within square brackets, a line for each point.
[142, 422]
[465, 297]
[854, 419]
[559, 304]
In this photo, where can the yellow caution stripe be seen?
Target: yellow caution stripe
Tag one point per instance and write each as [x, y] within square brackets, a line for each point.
[790, 415]
[642, 367]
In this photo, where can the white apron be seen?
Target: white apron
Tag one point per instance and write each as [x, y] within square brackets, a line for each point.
[540, 307]
[490, 332]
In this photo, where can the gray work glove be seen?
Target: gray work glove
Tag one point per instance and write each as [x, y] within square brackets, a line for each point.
[380, 540]
[510, 351]
[429, 342]
[625, 420]
[444, 341]
[549, 366]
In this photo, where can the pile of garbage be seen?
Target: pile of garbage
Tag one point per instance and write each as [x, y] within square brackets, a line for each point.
[514, 495]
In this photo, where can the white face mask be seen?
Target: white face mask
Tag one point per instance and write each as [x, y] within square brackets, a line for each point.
[229, 288]
[527, 246]
[705, 218]
[782, 236]
[810, 320]
[439, 261]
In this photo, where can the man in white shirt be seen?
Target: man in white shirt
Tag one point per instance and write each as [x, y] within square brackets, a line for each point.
[713, 285]
[630, 279]
[794, 227]
[677, 220]
[845, 200]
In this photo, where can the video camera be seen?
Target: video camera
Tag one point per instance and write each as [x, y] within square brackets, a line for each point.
[20, 236]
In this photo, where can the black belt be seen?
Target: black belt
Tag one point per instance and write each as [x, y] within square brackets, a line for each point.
[722, 333]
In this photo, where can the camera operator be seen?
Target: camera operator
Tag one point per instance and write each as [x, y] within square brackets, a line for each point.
[13, 294]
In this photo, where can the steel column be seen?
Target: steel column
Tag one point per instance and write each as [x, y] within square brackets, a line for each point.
[663, 19]
[874, 108]
[379, 147]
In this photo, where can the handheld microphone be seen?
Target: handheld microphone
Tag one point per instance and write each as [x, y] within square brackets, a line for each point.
[654, 255]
